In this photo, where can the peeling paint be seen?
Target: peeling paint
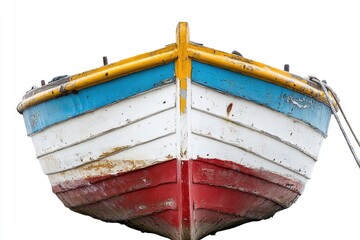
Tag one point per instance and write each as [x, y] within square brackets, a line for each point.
[301, 103]
[164, 82]
[98, 166]
[169, 203]
[130, 165]
[34, 119]
[141, 207]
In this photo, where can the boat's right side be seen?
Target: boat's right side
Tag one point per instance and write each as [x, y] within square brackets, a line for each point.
[253, 142]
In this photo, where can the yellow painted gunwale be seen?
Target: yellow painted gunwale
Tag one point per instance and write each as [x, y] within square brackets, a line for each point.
[103, 74]
[255, 69]
[181, 52]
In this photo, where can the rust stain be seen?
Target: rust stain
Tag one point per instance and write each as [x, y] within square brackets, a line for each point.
[113, 151]
[97, 166]
[130, 165]
[105, 167]
[228, 109]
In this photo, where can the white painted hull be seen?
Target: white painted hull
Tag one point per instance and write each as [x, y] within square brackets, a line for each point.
[120, 138]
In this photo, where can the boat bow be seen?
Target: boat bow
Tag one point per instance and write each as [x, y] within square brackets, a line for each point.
[183, 141]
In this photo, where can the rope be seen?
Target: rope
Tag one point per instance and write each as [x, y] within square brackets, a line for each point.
[325, 89]
[343, 114]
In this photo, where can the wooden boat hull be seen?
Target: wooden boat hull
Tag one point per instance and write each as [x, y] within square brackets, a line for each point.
[133, 151]
[131, 200]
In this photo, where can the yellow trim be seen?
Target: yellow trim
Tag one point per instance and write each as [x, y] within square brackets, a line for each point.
[104, 74]
[255, 69]
[183, 63]
[182, 52]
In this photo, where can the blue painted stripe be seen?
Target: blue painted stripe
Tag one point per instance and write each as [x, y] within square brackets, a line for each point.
[275, 97]
[60, 109]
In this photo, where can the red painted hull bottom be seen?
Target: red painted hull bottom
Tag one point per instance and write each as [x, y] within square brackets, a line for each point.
[182, 199]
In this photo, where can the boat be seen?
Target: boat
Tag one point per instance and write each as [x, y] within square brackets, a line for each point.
[183, 141]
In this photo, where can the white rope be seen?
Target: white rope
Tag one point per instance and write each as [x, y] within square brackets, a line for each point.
[325, 89]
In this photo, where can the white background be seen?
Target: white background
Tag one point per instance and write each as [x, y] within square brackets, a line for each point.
[43, 39]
